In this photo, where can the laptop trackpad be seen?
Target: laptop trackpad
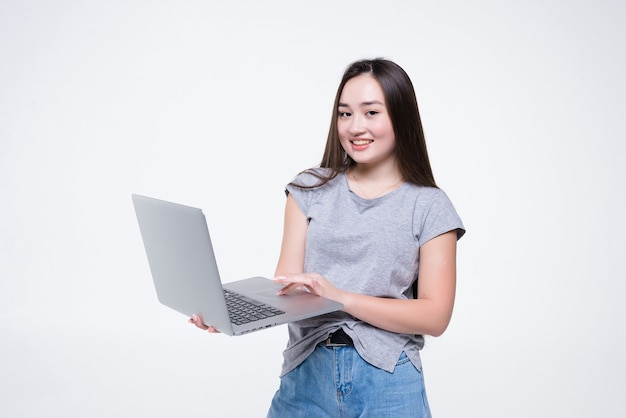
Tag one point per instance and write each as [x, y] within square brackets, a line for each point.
[264, 290]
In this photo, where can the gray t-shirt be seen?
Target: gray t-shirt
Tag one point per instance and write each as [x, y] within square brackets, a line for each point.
[367, 246]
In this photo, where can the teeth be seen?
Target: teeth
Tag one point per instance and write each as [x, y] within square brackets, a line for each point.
[361, 141]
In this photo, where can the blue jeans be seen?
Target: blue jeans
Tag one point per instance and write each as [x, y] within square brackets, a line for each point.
[337, 382]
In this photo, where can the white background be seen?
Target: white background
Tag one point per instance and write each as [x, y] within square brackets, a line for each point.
[218, 105]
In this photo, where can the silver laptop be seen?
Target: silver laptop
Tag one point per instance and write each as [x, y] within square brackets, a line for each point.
[186, 278]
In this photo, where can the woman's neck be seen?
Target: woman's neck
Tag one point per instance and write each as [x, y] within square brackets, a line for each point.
[376, 173]
[373, 182]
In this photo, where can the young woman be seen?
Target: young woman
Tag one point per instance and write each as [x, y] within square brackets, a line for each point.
[367, 228]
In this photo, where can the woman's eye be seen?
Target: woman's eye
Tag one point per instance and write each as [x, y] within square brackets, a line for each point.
[344, 114]
[371, 113]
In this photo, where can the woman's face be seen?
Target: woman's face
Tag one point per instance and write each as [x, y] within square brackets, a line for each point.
[363, 123]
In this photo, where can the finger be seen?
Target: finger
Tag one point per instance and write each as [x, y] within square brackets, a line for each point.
[288, 288]
[314, 285]
[197, 321]
[281, 279]
[290, 280]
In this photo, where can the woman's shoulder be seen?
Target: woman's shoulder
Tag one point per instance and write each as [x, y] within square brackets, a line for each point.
[427, 196]
[424, 192]
[312, 177]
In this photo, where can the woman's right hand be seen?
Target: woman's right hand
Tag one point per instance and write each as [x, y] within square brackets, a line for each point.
[197, 321]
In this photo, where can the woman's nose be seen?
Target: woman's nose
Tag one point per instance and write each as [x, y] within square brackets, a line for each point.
[356, 125]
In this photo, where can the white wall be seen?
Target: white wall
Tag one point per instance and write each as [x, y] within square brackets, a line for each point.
[218, 105]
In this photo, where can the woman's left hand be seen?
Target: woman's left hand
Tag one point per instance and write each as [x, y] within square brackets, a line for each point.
[312, 282]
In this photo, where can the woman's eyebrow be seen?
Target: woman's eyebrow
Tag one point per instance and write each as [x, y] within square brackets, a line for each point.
[367, 103]
[371, 102]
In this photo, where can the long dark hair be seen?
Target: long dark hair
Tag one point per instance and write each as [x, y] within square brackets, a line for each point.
[411, 152]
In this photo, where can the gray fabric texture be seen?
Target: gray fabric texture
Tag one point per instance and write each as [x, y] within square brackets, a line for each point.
[367, 246]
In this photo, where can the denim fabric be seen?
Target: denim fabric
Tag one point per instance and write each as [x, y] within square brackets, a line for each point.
[336, 382]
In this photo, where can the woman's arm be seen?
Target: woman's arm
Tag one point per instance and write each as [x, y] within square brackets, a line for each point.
[429, 314]
[291, 259]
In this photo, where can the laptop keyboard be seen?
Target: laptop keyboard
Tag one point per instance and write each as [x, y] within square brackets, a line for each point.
[242, 309]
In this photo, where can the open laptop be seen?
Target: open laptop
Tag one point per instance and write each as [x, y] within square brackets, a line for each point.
[184, 270]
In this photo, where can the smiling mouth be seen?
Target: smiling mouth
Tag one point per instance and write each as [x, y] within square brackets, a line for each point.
[362, 141]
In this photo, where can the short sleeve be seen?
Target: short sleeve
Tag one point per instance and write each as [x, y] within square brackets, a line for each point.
[435, 215]
[303, 195]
